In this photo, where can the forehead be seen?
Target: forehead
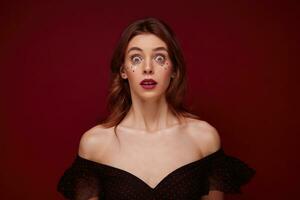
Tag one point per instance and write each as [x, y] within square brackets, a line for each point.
[146, 42]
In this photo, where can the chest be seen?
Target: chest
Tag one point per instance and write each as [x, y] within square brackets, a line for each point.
[151, 158]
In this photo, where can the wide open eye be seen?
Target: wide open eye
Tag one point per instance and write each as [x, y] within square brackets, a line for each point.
[136, 59]
[160, 59]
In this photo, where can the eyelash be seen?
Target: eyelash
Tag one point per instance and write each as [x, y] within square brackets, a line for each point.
[133, 56]
[163, 56]
[137, 55]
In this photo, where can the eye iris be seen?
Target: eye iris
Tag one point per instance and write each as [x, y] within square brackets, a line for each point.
[136, 60]
[160, 59]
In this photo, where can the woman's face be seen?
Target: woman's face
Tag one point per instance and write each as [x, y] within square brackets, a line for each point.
[147, 57]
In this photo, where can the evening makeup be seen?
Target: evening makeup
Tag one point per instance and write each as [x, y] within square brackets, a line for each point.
[159, 57]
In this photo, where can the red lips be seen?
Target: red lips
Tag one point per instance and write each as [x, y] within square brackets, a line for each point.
[148, 82]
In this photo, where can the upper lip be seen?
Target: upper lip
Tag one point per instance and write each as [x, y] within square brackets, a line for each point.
[147, 80]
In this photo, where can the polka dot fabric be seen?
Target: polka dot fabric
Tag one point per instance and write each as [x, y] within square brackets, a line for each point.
[85, 179]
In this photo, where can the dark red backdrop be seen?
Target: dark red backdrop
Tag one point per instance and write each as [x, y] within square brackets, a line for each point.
[54, 60]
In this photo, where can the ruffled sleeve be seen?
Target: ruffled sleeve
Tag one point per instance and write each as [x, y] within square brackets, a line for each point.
[228, 173]
[80, 181]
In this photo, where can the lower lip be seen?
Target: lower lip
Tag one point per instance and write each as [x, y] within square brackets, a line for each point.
[148, 86]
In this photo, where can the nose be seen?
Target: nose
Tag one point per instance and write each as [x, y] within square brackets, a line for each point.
[148, 69]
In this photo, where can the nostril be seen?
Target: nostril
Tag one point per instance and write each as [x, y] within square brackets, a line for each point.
[148, 71]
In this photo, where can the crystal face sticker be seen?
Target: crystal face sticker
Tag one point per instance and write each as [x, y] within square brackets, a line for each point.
[166, 65]
[137, 60]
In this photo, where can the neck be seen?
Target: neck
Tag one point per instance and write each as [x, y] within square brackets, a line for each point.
[149, 116]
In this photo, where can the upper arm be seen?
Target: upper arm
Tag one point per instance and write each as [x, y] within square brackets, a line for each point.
[213, 195]
[93, 142]
[209, 141]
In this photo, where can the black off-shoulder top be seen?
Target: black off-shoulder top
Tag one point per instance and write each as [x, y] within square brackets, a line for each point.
[85, 179]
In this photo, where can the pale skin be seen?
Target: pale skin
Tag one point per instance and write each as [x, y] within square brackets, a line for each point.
[150, 133]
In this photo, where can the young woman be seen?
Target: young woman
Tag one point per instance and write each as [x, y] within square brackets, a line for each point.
[151, 146]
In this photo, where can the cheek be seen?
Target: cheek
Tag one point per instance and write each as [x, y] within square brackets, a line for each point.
[132, 73]
[131, 68]
[166, 65]
[165, 68]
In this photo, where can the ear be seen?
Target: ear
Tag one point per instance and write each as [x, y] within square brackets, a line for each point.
[173, 75]
[123, 73]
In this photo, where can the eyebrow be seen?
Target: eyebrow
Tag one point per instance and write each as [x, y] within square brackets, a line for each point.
[155, 49]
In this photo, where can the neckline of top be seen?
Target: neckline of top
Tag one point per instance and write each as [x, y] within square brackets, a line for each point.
[172, 173]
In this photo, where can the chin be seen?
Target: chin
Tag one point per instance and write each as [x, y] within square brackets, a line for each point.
[153, 96]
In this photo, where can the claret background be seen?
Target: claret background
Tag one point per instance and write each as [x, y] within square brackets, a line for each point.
[54, 75]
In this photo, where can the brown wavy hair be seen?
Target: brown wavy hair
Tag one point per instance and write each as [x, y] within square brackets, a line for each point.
[119, 97]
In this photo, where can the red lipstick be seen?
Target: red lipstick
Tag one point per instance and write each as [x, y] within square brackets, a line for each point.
[148, 83]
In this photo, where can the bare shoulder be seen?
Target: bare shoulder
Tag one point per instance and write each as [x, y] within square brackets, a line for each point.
[94, 142]
[205, 135]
